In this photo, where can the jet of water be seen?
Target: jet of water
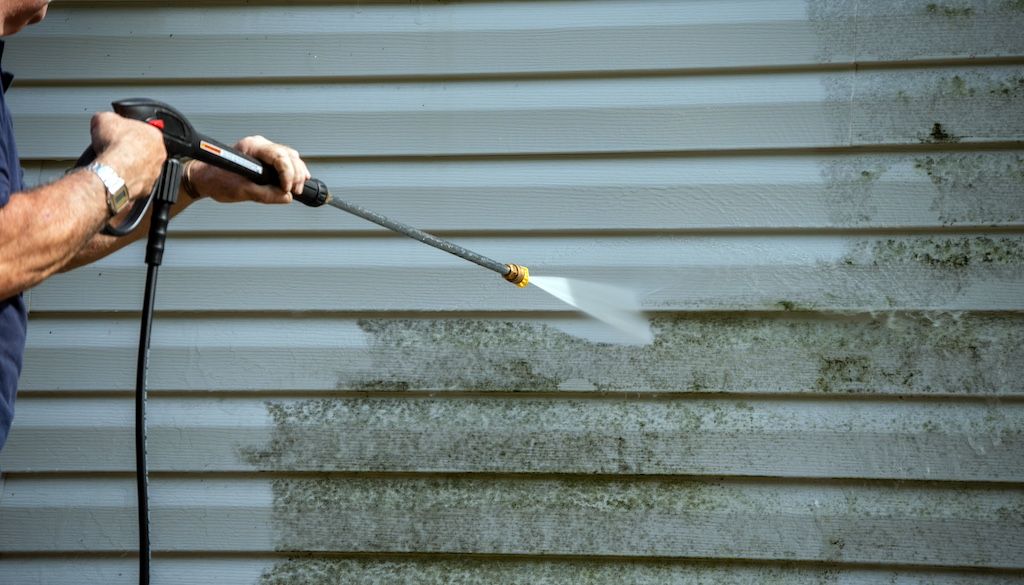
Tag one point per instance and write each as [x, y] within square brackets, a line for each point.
[615, 306]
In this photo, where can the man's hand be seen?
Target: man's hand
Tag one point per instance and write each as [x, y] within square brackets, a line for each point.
[228, 187]
[134, 149]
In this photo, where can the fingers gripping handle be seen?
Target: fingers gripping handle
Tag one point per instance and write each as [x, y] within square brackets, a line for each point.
[314, 192]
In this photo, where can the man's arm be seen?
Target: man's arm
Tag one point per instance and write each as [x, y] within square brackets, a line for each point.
[40, 230]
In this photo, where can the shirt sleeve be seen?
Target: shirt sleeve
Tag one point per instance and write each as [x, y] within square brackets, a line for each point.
[8, 183]
[5, 183]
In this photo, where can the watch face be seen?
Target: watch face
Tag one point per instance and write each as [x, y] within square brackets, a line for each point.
[118, 200]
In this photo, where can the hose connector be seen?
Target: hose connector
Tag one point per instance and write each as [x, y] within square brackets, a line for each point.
[518, 275]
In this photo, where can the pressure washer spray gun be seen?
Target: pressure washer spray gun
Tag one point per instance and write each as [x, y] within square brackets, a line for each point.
[183, 141]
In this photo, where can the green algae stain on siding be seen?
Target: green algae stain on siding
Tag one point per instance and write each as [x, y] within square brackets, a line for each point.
[493, 571]
[851, 373]
[979, 188]
[488, 435]
[655, 437]
[937, 106]
[313, 570]
[926, 106]
[791, 352]
[950, 10]
[958, 188]
[948, 253]
[854, 366]
[662, 518]
[469, 571]
[499, 516]
[893, 30]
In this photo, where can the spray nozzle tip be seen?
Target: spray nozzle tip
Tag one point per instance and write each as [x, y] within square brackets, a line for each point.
[518, 275]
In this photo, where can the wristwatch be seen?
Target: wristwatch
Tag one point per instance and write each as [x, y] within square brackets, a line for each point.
[117, 190]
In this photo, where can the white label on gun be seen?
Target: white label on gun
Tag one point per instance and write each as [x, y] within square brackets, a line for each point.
[228, 155]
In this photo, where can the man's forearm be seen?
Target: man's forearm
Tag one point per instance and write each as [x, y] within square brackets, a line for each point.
[42, 229]
[100, 245]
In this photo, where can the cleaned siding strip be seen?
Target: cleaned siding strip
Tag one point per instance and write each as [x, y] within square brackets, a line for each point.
[770, 438]
[500, 38]
[969, 105]
[77, 570]
[915, 354]
[900, 525]
[981, 271]
[924, 190]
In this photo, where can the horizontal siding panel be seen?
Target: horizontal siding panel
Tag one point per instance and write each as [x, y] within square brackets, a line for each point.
[669, 273]
[356, 40]
[975, 105]
[57, 570]
[424, 571]
[769, 438]
[901, 524]
[923, 190]
[927, 354]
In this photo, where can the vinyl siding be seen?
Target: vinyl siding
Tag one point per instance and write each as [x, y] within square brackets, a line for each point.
[821, 205]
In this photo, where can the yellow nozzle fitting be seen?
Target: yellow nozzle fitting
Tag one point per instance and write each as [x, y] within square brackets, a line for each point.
[518, 275]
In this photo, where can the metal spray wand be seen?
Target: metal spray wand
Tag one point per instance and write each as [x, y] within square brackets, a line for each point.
[514, 273]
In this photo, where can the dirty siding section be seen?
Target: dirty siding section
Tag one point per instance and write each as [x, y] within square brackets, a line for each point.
[820, 203]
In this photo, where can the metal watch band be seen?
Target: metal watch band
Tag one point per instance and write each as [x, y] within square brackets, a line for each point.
[117, 190]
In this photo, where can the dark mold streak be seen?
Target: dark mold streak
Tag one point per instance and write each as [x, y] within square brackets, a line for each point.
[950, 11]
[940, 136]
[950, 253]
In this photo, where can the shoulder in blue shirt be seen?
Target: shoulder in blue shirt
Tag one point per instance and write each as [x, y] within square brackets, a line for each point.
[13, 313]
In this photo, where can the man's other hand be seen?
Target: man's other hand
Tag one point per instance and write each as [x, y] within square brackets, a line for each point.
[228, 187]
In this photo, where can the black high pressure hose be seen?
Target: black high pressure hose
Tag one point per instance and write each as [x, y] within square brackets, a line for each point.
[141, 469]
[164, 197]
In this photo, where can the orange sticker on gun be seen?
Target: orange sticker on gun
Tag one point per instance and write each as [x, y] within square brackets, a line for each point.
[230, 156]
[209, 147]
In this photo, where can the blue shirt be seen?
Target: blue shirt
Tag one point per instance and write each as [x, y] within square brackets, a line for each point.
[13, 313]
